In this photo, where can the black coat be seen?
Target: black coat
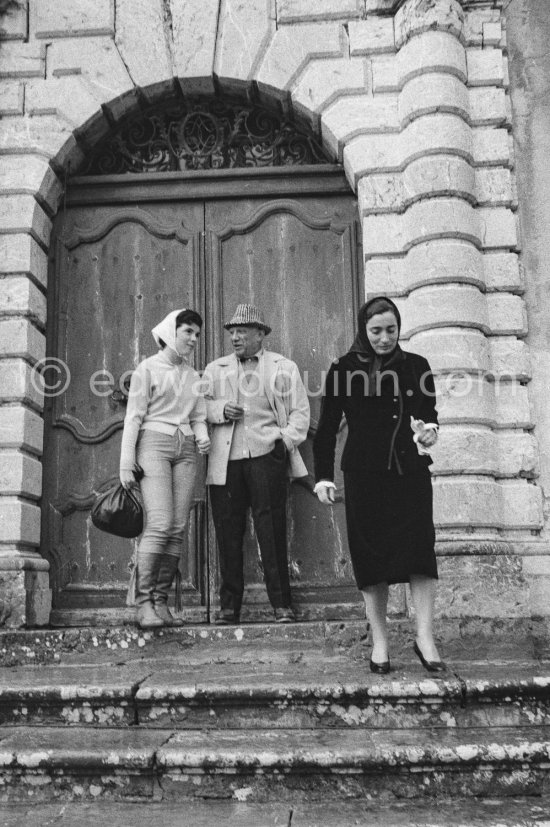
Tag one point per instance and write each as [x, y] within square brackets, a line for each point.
[380, 436]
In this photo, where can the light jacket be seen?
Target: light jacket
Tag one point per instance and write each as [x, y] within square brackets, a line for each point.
[286, 394]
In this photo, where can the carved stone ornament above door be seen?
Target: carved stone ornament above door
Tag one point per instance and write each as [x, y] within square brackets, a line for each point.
[203, 133]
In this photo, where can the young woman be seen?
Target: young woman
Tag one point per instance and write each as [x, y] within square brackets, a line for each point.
[164, 425]
[383, 391]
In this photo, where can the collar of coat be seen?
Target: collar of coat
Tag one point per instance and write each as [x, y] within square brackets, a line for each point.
[267, 356]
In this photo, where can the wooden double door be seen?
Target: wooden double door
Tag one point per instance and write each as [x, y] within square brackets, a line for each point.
[127, 251]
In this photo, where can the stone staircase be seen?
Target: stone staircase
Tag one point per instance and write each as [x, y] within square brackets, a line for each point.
[264, 715]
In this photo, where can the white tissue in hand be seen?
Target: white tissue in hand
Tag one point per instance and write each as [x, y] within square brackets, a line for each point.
[419, 427]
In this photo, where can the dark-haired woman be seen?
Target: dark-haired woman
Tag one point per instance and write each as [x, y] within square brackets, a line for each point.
[165, 423]
[388, 398]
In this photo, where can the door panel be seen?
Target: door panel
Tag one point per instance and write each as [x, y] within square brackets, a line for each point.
[297, 260]
[116, 273]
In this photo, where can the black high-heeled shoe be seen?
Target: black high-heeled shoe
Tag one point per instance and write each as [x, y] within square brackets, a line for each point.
[430, 665]
[379, 668]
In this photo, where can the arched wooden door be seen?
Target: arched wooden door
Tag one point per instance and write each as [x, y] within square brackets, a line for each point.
[128, 249]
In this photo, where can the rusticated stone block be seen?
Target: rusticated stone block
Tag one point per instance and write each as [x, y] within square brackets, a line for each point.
[20, 297]
[301, 11]
[491, 146]
[32, 175]
[194, 30]
[22, 60]
[522, 505]
[444, 261]
[323, 82]
[498, 227]
[507, 314]
[21, 254]
[494, 187]
[464, 450]
[492, 33]
[443, 175]
[97, 59]
[19, 521]
[13, 23]
[11, 97]
[419, 16]
[20, 475]
[512, 405]
[47, 136]
[142, 34]
[385, 76]
[463, 398]
[481, 27]
[50, 18]
[485, 67]
[371, 153]
[20, 383]
[355, 115]
[386, 275]
[383, 235]
[434, 52]
[433, 94]
[488, 107]
[371, 36]
[441, 218]
[21, 428]
[510, 357]
[443, 133]
[244, 31]
[517, 453]
[461, 502]
[503, 272]
[70, 99]
[19, 337]
[381, 193]
[482, 586]
[22, 214]
[445, 305]
[289, 52]
[457, 349]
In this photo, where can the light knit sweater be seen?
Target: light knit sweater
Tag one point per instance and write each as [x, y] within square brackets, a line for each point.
[163, 397]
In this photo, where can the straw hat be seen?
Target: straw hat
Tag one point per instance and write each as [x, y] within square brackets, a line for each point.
[246, 315]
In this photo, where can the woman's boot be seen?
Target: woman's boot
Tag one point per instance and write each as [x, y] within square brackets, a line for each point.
[147, 575]
[165, 578]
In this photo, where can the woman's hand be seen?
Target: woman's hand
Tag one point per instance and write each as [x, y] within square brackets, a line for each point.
[428, 437]
[127, 479]
[203, 445]
[325, 492]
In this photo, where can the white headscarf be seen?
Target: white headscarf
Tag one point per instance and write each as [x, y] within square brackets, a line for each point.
[166, 330]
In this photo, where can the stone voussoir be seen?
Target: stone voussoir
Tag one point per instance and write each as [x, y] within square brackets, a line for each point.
[323, 82]
[79, 18]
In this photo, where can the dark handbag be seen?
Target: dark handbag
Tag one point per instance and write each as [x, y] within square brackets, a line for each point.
[118, 511]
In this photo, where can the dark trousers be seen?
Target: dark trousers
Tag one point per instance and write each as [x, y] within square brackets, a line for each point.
[260, 483]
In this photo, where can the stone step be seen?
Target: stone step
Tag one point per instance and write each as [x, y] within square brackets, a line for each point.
[469, 812]
[307, 689]
[48, 763]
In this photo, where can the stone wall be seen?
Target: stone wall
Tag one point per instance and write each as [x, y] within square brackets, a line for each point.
[413, 99]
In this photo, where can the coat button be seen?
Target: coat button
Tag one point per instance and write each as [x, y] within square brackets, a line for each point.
[394, 416]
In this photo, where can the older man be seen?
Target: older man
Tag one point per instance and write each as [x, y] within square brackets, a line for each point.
[259, 412]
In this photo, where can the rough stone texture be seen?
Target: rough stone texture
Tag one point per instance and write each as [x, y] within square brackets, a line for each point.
[13, 24]
[301, 11]
[194, 32]
[97, 59]
[71, 99]
[507, 315]
[505, 589]
[433, 93]
[12, 596]
[31, 175]
[432, 52]
[454, 349]
[488, 106]
[244, 30]
[44, 135]
[371, 36]
[419, 16]
[483, 27]
[11, 98]
[142, 38]
[20, 383]
[289, 52]
[322, 82]
[20, 337]
[22, 60]
[22, 254]
[485, 67]
[449, 305]
[370, 154]
[20, 297]
[49, 18]
[503, 272]
[21, 428]
[512, 406]
[498, 228]
[434, 134]
[20, 475]
[510, 357]
[493, 187]
[355, 115]
[491, 146]
[19, 522]
[22, 214]
[479, 501]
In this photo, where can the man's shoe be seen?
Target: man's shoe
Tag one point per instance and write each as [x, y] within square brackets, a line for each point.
[284, 614]
[226, 617]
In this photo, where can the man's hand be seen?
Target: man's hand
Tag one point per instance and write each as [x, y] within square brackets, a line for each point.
[325, 493]
[232, 411]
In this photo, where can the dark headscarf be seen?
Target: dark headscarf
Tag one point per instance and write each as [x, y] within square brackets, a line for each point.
[363, 348]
